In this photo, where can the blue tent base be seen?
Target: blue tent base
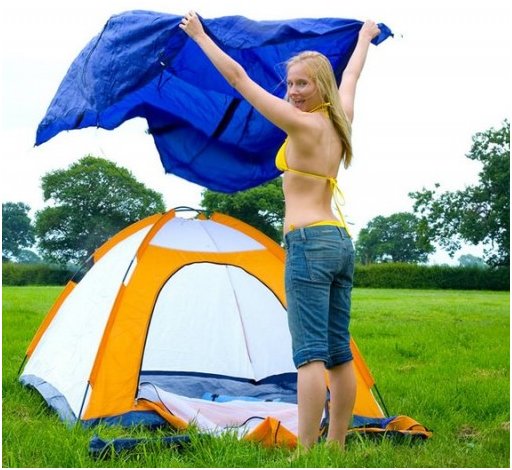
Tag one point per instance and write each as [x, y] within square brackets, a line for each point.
[375, 429]
[395, 436]
[101, 449]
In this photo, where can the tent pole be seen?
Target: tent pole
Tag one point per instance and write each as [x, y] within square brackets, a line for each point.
[22, 364]
[83, 402]
[386, 412]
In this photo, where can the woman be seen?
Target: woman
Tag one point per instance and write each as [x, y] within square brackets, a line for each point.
[316, 116]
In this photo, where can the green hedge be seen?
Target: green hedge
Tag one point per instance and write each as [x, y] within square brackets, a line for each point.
[14, 274]
[385, 275]
[413, 276]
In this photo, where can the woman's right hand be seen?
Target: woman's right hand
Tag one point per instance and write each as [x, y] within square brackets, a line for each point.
[191, 24]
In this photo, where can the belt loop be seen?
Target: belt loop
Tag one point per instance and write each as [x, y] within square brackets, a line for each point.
[302, 233]
[342, 232]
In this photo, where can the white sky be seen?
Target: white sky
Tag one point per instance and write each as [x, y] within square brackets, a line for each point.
[420, 99]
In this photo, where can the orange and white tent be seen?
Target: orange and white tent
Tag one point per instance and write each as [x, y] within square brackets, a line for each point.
[178, 320]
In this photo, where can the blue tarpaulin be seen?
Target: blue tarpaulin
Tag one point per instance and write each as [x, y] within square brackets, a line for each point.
[143, 65]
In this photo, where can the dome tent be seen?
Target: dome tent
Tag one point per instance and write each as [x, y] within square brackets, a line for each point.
[178, 320]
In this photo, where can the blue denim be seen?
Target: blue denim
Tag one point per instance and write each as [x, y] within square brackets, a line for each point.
[318, 275]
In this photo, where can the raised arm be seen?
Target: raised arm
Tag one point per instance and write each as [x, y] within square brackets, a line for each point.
[355, 65]
[276, 110]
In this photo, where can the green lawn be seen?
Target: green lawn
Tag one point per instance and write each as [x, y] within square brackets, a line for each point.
[441, 357]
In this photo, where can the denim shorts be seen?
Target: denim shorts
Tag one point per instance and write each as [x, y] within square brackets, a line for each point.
[318, 275]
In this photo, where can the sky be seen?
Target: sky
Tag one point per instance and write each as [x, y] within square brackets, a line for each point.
[422, 96]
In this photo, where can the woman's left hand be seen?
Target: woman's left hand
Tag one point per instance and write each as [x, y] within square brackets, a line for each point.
[192, 25]
[369, 30]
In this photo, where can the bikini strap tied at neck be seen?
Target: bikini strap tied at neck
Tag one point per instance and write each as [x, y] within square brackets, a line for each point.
[321, 106]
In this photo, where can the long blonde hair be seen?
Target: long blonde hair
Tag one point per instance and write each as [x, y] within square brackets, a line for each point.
[320, 71]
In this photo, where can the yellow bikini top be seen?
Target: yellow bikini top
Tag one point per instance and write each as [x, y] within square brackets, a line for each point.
[337, 194]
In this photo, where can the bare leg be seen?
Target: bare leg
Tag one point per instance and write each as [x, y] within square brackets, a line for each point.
[343, 395]
[311, 390]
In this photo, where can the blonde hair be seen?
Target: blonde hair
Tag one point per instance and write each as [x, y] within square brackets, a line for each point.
[320, 71]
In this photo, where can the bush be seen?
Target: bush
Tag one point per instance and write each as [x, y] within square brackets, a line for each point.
[15, 274]
[385, 275]
[413, 276]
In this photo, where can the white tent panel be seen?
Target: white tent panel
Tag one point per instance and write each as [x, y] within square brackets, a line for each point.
[195, 325]
[266, 326]
[200, 324]
[65, 354]
[203, 236]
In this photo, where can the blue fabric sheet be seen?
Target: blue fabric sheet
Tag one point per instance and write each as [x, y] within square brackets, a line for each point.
[143, 65]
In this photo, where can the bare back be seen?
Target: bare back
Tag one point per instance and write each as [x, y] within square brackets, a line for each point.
[317, 150]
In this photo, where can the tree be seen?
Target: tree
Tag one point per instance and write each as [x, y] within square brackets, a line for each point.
[477, 214]
[262, 207]
[471, 261]
[395, 238]
[17, 229]
[28, 257]
[90, 201]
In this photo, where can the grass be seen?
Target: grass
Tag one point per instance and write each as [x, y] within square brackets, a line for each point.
[441, 357]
